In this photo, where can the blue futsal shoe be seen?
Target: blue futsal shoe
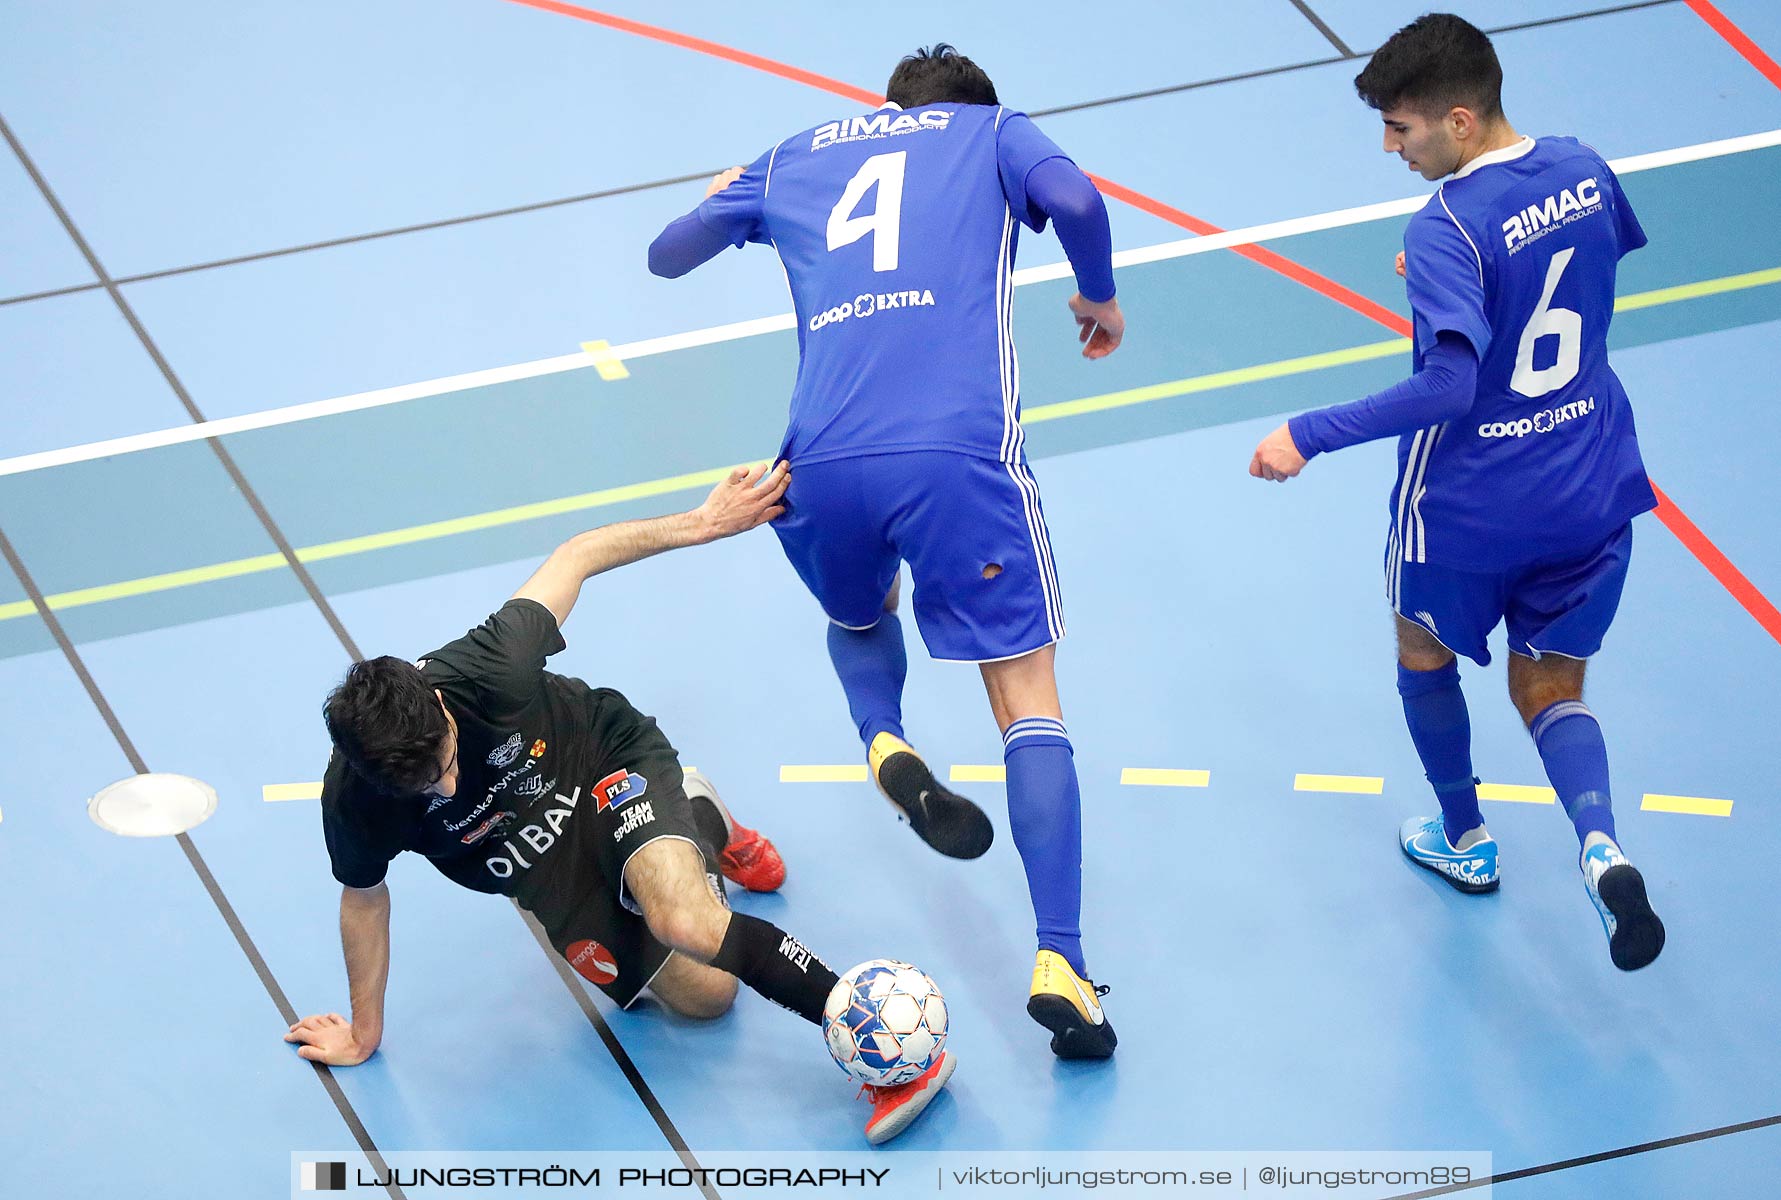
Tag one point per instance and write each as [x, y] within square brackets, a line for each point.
[1615, 887]
[1425, 843]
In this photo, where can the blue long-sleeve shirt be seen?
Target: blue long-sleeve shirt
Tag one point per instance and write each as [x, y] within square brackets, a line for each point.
[1442, 390]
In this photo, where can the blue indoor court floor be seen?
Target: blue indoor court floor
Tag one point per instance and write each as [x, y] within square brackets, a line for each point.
[320, 325]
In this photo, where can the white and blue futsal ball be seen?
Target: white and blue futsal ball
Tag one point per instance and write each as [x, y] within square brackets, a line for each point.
[885, 1022]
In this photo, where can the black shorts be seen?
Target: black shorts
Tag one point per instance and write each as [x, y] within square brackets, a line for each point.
[577, 891]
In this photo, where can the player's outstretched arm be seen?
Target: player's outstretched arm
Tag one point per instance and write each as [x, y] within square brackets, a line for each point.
[689, 241]
[329, 1038]
[1059, 189]
[750, 496]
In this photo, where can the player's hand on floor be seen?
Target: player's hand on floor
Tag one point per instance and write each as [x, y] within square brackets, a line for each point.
[1400, 264]
[724, 179]
[328, 1038]
[1100, 326]
[1277, 459]
[750, 496]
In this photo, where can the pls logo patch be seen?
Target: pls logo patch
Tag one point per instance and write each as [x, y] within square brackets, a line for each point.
[620, 787]
[592, 961]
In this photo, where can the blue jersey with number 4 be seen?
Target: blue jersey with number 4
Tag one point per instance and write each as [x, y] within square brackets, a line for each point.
[897, 230]
[1517, 254]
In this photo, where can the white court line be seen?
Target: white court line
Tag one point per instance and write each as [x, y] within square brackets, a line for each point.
[1182, 248]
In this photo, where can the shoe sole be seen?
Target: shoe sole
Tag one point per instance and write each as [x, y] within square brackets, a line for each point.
[901, 1119]
[947, 821]
[1470, 889]
[1072, 1036]
[1638, 934]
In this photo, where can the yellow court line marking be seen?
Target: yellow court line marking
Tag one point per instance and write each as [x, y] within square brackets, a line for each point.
[1694, 806]
[677, 483]
[1358, 785]
[967, 773]
[274, 792]
[1517, 793]
[1163, 777]
[815, 773]
[610, 365]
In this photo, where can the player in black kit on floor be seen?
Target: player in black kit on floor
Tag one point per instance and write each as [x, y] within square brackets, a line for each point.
[518, 781]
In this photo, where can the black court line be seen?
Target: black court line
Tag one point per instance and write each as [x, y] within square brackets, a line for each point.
[1589, 1159]
[179, 390]
[354, 239]
[616, 1048]
[1173, 89]
[1338, 43]
[346, 641]
[202, 869]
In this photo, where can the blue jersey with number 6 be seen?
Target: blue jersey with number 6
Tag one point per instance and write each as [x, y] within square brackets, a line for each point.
[1517, 254]
[897, 230]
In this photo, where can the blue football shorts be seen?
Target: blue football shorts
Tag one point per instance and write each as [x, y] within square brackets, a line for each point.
[971, 529]
[1561, 605]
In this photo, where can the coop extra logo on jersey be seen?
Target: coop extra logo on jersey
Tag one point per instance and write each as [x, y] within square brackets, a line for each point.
[1544, 421]
[1561, 208]
[881, 124]
[592, 961]
[620, 787]
[867, 304]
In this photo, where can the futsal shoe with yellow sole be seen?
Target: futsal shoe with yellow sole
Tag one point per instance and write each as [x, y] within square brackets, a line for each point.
[942, 818]
[747, 858]
[894, 1109]
[1070, 1006]
[1635, 935]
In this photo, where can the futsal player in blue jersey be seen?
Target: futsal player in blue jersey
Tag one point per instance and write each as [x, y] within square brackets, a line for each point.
[897, 229]
[1518, 468]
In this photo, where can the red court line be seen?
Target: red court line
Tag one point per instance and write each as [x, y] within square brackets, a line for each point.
[1717, 564]
[1673, 518]
[1739, 40]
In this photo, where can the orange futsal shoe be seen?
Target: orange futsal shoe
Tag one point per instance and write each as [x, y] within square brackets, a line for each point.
[894, 1109]
[748, 858]
[752, 861]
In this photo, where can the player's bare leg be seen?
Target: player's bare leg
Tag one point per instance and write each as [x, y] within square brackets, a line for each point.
[1548, 693]
[1045, 815]
[942, 818]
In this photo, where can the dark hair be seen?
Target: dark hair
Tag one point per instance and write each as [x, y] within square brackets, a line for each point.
[940, 75]
[1434, 64]
[386, 722]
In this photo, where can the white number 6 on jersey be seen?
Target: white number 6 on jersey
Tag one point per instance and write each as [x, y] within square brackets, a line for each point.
[885, 223]
[1562, 323]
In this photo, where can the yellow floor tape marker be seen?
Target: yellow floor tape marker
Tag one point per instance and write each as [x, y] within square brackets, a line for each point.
[965, 773]
[1517, 793]
[1358, 785]
[1694, 806]
[274, 792]
[610, 365]
[1163, 777]
[846, 773]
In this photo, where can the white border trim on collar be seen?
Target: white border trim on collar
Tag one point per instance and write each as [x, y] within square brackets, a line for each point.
[1506, 154]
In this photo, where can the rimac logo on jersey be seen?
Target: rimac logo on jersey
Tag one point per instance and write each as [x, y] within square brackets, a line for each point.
[506, 752]
[620, 787]
[881, 124]
[1561, 208]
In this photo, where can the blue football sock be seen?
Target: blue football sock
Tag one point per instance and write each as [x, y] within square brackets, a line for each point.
[1576, 758]
[1045, 814]
[872, 664]
[1441, 728]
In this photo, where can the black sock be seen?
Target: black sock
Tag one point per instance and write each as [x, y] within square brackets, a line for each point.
[775, 964]
[710, 824]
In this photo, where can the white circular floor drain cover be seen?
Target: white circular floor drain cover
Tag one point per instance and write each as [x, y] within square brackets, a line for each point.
[154, 805]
